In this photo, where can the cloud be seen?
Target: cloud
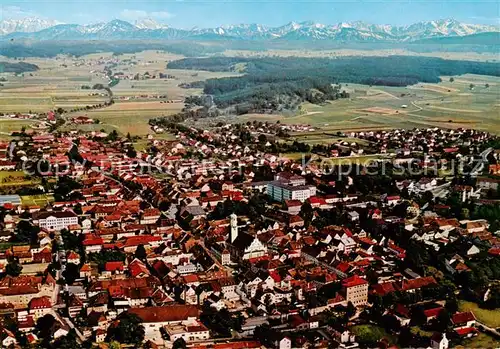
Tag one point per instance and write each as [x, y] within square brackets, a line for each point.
[140, 14]
[14, 12]
[489, 20]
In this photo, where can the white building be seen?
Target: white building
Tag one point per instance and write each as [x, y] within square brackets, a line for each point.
[55, 220]
[190, 332]
[290, 187]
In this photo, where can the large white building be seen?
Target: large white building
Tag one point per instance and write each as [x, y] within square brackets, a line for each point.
[55, 220]
[290, 187]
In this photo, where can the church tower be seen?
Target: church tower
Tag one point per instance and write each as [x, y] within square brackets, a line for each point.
[234, 227]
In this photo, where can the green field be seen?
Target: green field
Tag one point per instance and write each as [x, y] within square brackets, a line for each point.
[371, 334]
[37, 200]
[447, 104]
[482, 341]
[488, 317]
[7, 126]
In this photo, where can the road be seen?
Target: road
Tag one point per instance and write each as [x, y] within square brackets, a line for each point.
[489, 330]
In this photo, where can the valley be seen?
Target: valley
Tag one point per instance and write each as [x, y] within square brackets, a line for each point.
[58, 84]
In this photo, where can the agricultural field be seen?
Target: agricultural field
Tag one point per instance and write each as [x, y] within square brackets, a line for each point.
[58, 84]
[7, 126]
[447, 104]
[16, 178]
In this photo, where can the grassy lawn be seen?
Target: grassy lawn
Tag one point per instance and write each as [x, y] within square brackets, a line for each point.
[371, 334]
[7, 126]
[6, 245]
[418, 331]
[488, 317]
[481, 341]
[353, 160]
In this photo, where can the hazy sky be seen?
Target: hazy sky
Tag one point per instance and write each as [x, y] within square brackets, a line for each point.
[209, 13]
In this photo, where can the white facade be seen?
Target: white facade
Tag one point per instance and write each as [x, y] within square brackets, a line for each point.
[52, 222]
[281, 192]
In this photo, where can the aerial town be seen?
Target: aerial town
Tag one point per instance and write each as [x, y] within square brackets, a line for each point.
[219, 239]
[249, 174]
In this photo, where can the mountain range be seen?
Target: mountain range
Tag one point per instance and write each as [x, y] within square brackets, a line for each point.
[148, 29]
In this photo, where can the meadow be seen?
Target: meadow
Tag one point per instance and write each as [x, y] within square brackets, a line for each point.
[447, 104]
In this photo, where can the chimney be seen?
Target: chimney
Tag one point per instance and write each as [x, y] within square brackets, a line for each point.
[234, 227]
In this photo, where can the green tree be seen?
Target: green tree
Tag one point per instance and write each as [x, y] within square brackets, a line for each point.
[350, 310]
[114, 345]
[131, 153]
[13, 268]
[44, 327]
[443, 321]
[140, 253]
[179, 344]
[71, 273]
[68, 341]
[307, 213]
[127, 330]
[451, 305]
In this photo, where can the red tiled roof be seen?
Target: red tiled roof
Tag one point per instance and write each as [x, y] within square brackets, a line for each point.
[462, 318]
[465, 331]
[166, 313]
[354, 281]
[433, 312]
[418, 283]
[383, 289]
[40, 303]
[113, 266]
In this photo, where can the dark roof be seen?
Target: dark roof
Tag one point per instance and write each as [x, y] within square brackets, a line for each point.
[57, 214]
[165, 313]
[243, 240]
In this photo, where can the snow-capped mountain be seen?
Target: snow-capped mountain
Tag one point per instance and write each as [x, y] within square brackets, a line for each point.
[25, 25]
[149, 23]
[148, 29]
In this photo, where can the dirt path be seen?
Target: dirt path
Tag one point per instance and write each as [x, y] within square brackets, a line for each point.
[454, 110]
[386, 93]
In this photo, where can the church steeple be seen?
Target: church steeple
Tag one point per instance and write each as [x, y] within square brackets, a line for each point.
[234, 227]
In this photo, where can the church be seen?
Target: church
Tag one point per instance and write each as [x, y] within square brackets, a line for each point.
[242, 245]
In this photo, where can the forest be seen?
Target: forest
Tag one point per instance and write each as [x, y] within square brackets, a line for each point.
[20, 67]
[276, 83]
[53, 48]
